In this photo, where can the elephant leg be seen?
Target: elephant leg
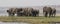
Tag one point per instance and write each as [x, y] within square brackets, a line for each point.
[54, 15]
[21, 14]
[26, 14]
[13, 14]
[50, 14]
[32, 14]
[9, 14]
[29, 14]
[35, 15]
[18, 14]
[46, 14]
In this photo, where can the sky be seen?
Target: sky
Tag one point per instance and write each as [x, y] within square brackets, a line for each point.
[23, 3]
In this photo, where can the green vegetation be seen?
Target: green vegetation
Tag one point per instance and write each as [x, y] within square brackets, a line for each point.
[33, 20]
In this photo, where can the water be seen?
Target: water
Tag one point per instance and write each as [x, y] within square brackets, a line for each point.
[13, 23]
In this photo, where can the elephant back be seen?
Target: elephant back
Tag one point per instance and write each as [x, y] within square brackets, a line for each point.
[49, 9]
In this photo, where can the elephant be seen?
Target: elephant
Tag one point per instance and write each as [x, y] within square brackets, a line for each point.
[53, 12]
[20, 12]
[47, 10]
[30, 12]
[27, 11]
[23, 11]
[35, 13]
[11, 11]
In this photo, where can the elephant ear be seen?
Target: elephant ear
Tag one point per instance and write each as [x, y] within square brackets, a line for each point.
[49, 8]
[14, 10]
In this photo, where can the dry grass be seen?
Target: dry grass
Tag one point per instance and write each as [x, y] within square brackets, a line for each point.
[32, 20]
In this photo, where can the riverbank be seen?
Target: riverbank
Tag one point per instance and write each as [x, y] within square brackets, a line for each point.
[32, 20]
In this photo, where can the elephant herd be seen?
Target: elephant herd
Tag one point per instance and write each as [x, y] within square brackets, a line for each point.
[23, 12]
[31, 12]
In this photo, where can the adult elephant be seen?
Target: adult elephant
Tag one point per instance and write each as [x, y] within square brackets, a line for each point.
[24, 11]
[27, 11]
[20, 11]
[53, 12]
[47, 10]
[31, 12]
[12, 11]
[35, 13]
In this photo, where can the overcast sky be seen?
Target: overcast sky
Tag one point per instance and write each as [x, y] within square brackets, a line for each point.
[18, 3]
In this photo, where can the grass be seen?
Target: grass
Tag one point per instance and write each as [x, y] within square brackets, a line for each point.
[32, 20]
